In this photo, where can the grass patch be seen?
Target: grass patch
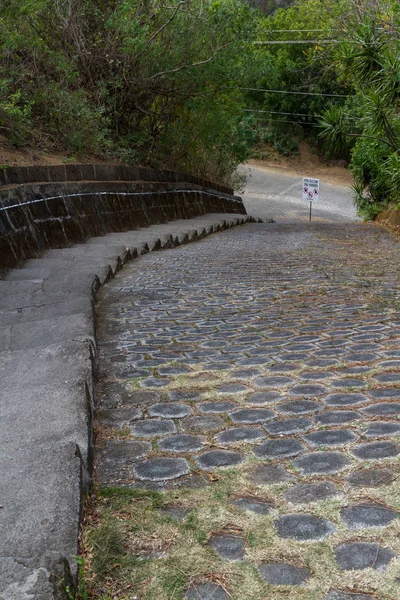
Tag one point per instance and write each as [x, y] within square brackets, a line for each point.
[108, 547]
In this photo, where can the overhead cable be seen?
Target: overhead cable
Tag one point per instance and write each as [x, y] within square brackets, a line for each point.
[250, 89]
[275, 112]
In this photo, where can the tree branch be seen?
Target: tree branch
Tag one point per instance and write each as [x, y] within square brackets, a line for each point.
[197, 64]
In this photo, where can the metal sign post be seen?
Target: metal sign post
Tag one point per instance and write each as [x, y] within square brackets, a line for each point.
[310, 191]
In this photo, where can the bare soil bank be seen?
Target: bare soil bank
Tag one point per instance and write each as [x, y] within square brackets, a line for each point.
[307, 163]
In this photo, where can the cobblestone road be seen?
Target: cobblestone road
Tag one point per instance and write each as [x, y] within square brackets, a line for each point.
[254, 378]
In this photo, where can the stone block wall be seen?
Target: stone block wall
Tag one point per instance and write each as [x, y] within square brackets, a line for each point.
[56, 206]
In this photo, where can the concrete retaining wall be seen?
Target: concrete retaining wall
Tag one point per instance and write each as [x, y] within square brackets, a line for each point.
[56, 206]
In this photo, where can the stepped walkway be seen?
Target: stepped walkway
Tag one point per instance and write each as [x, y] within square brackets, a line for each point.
[47, 398]
[247, 427]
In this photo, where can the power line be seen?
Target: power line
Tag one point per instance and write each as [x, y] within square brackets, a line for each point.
[295, 30]
[275, 112]
[294, 122]
[248, 89]
[275, 42]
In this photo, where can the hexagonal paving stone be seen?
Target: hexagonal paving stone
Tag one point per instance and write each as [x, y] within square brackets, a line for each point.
[316, 375]
[364, 347]
[300, 356]
[299, 407]
[223, 406]
[208, 461]
[227, 546]
[140, 397]
[322, 362]
[392, 353]
[245, 374]
[373, 327]
[155, 382]
[181, 443]
[116, 458]
[305, 493]
[307, 389]
[387, 364]
[346, 399]
[207, 591]
[367, 337]
[254, 361]
[304, 527]
[383, 409]
[261, 398]
[375, 450]
[370, 477]
[283, 367]
[385, 393]
[269, 475]
[321, 463]
[283, 574]
[289, 426]
[355, 370]
[204, 424]
[367, 515]
[331, 352]
[348, 382]
[252, 415]
[334, 343]
[361, 357]
[361, 555]
[252, 504]
[299, 347]
[150, 363]
[239, 434]
[169, 410]
[279, 449]
[119, 417]
[175, 370]
[220, 366]
[153, 427]
[272, 382]
[383, 429]
[132, 373]
[161, 469]
[232, 388]
[330, 437]
[337, 417]
[125, 450]
[388, 378]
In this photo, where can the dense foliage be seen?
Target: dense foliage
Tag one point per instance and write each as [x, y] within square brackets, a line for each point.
[343, 81]
[296, 59]
[187, 85]
[368, 124]
[148, 82]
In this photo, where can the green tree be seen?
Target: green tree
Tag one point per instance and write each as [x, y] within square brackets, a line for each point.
[369, 123]
[150, 83]
[297, 67]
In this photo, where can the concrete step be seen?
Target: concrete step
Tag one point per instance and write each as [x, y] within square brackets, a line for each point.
[47, 357]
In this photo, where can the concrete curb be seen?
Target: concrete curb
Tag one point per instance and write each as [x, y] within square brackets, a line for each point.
[48, 368]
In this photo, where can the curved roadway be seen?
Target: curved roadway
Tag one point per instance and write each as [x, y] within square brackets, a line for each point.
[270, 194]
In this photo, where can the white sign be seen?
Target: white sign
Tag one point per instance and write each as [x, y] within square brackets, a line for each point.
[310, 189]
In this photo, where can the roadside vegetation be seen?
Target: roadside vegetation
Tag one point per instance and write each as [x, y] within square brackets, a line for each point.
[142, 81]
[349, 73]
[185, 85]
